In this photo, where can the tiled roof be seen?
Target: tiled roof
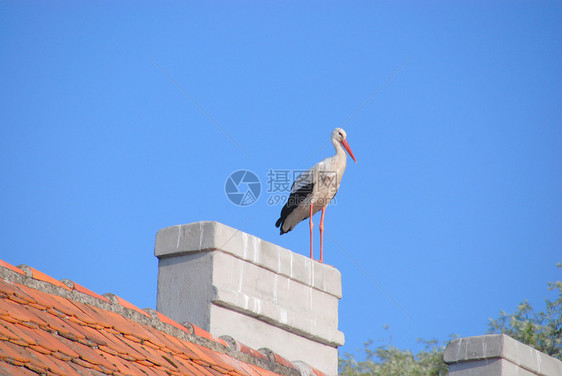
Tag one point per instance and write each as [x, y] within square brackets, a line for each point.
[61, 328]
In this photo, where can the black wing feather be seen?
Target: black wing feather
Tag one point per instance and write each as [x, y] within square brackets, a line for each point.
[295, 199]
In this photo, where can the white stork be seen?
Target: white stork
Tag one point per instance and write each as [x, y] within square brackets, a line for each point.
[313, 190]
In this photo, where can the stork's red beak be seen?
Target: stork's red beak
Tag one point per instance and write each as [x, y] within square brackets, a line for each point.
[346, 146]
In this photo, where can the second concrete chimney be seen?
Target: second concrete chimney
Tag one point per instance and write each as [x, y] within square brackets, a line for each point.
[232, 283]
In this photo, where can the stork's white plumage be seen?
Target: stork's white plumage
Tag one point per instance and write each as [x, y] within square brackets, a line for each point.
[313, 190]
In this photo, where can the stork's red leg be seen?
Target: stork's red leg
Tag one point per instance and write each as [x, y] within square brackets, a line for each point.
[321, 227]
[311, 226]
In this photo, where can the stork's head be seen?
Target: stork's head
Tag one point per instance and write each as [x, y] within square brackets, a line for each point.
[340, 136]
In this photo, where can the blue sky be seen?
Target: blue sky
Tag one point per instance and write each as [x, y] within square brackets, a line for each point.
[454, 206]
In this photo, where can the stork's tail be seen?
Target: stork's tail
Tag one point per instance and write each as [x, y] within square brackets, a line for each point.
[279, 224]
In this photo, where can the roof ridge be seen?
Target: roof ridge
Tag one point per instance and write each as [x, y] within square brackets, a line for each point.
[67, 289]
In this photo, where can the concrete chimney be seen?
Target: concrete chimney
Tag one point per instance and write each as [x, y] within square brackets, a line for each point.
[264, 296]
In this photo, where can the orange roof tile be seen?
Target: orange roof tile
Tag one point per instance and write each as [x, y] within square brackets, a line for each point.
[128, 305]
[62, 328]
[40, 276]
[11, 267]
[83, 290]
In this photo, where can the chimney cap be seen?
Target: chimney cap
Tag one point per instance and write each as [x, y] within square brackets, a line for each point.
[207, 236]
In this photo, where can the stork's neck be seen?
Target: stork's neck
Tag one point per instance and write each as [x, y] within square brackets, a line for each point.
[340, 152]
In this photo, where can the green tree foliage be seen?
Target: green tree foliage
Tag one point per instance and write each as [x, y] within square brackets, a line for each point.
[387, 360]
[541, 330]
